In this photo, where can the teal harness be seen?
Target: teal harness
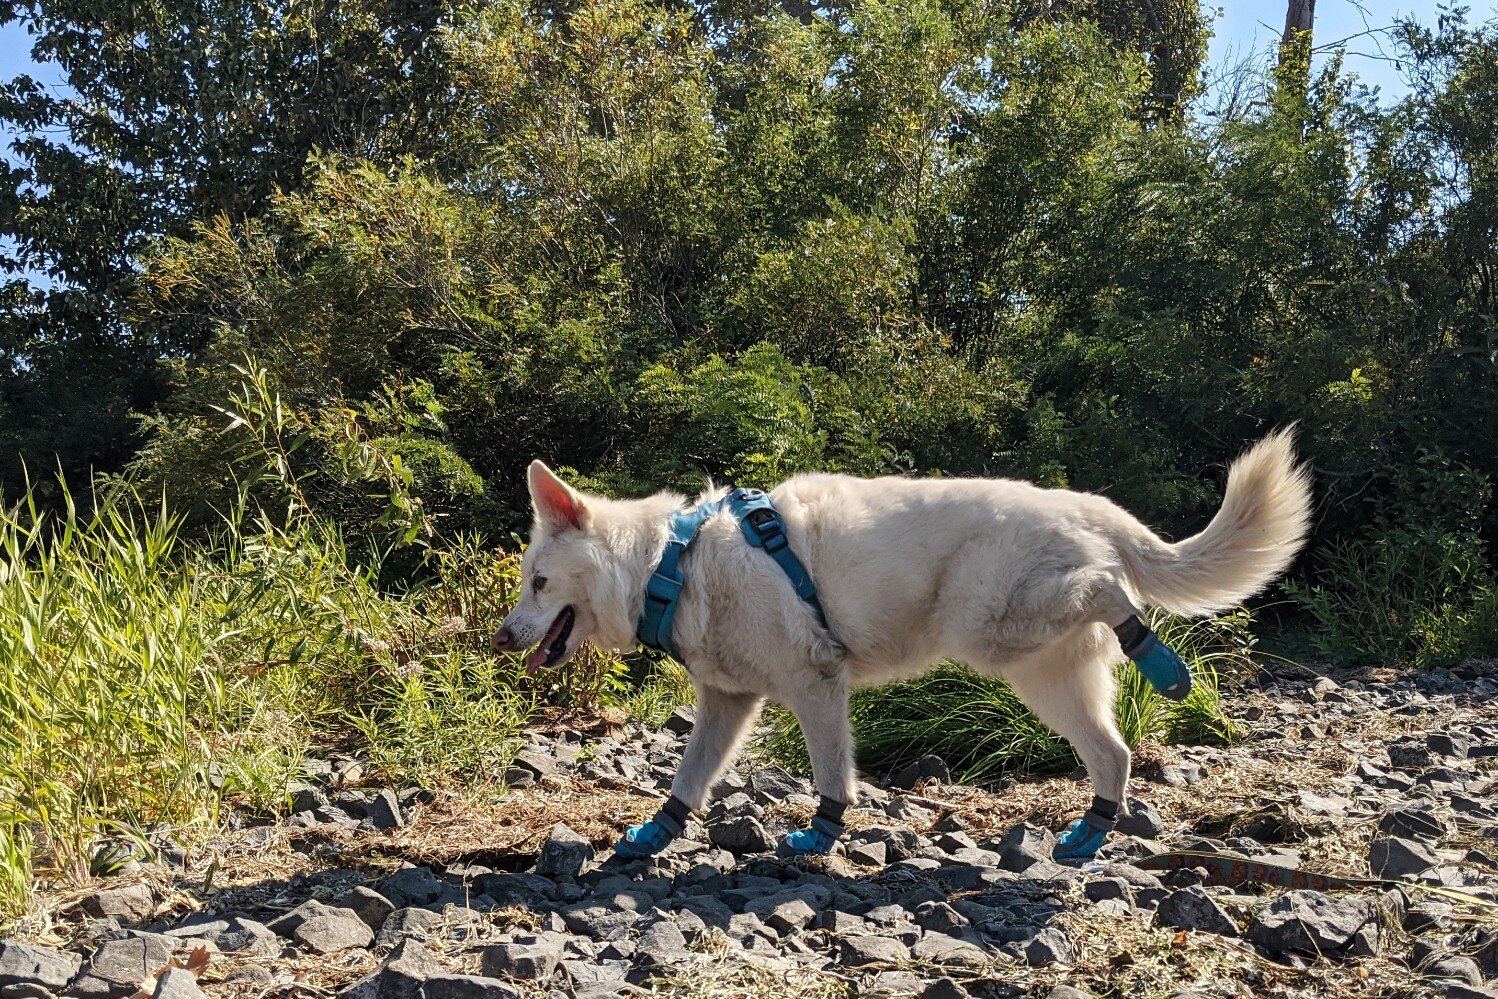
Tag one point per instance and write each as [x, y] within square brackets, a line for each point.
[763, 528]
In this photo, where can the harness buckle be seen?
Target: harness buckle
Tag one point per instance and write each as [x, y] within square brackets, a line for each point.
[768, 528]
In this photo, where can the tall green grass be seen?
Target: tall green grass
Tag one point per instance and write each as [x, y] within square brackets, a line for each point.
[145, 677]
[983, 731]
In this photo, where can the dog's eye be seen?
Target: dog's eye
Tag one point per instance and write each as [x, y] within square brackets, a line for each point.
[539, 583]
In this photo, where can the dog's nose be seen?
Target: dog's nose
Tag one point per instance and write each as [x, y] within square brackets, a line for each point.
[503, 640]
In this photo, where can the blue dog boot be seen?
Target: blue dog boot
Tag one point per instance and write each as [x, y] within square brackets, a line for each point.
[826, 829]
[1165, 671]
[654, 836]
[1086, 836]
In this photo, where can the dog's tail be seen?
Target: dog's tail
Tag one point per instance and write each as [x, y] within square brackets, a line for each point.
[1262, 524]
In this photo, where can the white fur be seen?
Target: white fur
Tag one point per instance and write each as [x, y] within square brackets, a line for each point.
[1013, 580]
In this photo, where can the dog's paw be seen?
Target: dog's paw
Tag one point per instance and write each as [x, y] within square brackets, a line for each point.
[644, 841]
[1081, 842]
[1166, 671]
[806, 843]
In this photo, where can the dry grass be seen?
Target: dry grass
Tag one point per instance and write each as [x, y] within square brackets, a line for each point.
[722, 971]
[516, 824]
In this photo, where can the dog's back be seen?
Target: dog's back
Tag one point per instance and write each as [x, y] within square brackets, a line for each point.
[912, 571]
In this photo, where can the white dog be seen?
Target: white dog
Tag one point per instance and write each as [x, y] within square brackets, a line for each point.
[1042, 587]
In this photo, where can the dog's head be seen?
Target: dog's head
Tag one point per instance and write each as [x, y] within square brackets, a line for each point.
[568, 578]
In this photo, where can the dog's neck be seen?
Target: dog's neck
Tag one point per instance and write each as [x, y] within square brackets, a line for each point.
[634, 532]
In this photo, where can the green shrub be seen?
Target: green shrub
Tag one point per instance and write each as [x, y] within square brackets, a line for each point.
[1414, 586]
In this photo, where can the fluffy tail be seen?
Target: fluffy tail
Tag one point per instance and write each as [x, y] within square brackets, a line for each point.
[1265, 515]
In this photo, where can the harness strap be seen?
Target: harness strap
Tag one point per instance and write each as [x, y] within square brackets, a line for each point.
[762, 527]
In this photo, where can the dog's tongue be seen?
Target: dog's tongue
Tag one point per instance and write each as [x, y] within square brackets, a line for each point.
[537, 659]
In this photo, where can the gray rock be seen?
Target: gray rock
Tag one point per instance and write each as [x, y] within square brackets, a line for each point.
[906, 809]
[330, 932]
[1313, 923]
[899, 843]
[368, 904]
[177, 983]
[524, 889]
[1193, 909]
[740, 834]
[594, 971]
[599, 919]
[925, 768]
[1393, 857]
[1142, 821]
[1067, 992]
[939, 917]
[1458, 967]
[1180, 774]
[409, 923]
[944, 988]
[768, 784]
[662, 944]
[28, 964]
[245, 937]
[529, 766]
[1460, 990]
[286, 923]
[1451, 744]
[531, 957]
[746, 927]
[857, 952]
[118, 967]
[868, 854]
[25, 991]
[384, 811]
[1049, 946]
[564, 855]
[1131, 875]
[681, 720]
[306, 798]
[411, 972]
[411, 886]
[791, 916]
[1101, 889]
[1024, 846]
[130, 905]
[249, 975]
[938, 948]
[1417, 822]
[1407, 756]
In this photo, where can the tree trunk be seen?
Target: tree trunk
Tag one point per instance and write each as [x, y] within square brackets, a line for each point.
[1299, 16]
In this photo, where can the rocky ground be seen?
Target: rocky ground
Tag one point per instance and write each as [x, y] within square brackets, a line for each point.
[939, 890]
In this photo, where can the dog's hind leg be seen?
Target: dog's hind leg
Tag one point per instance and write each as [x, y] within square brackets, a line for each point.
[722, 719]
[1072, 691]
[821, 708]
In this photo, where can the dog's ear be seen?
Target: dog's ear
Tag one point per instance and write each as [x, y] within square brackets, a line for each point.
[558, 506]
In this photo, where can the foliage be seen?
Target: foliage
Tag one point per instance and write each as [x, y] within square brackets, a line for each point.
[175, 112]
[146, 676]
[984, 732]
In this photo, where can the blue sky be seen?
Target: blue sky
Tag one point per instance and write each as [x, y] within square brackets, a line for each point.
[1244, 28]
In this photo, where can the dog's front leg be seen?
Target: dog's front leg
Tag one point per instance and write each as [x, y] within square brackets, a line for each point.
[821, 708]
[722, 719]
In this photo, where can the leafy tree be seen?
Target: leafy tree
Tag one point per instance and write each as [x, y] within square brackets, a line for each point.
[173, 113]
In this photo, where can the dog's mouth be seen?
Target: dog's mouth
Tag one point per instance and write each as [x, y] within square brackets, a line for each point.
[553, 647]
